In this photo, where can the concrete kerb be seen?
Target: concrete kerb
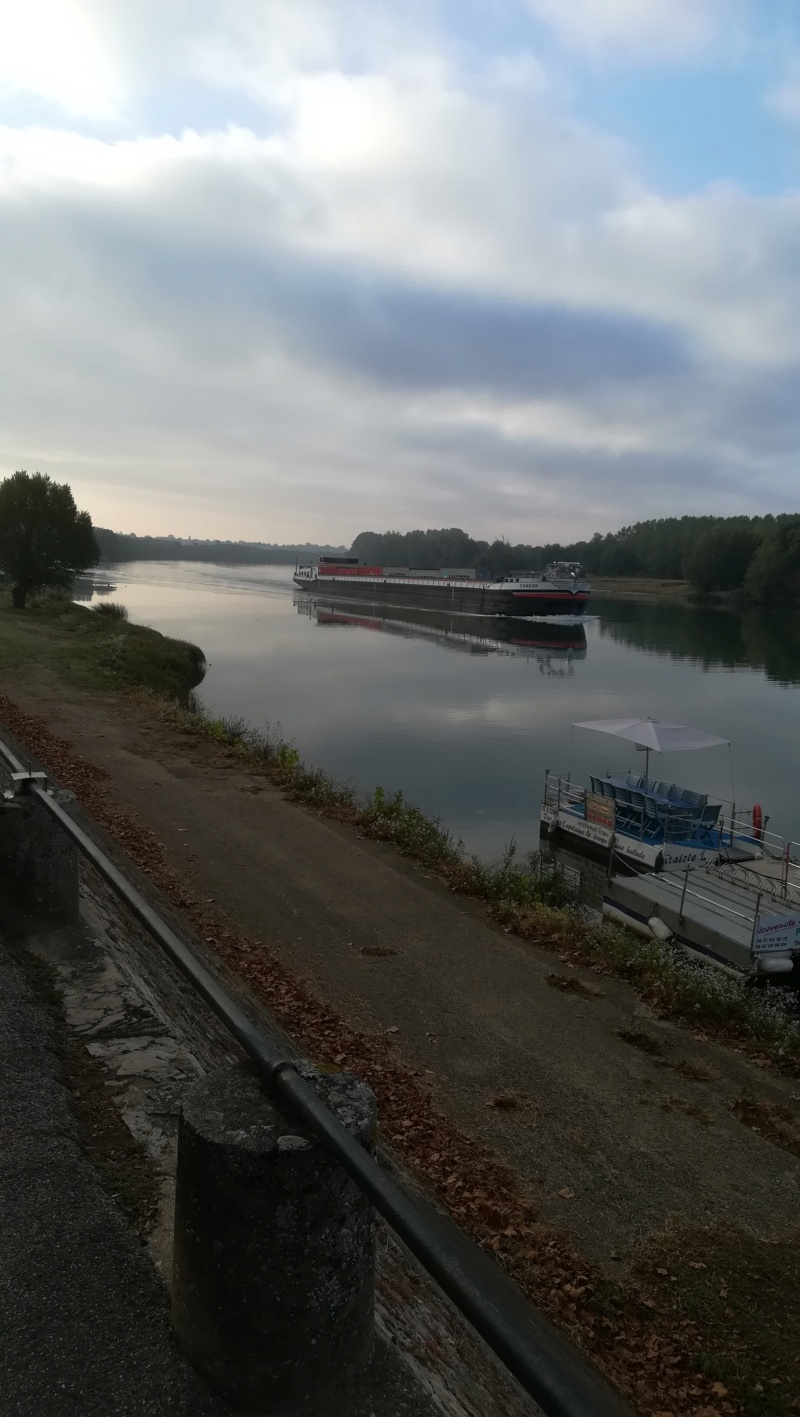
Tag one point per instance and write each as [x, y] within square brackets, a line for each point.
[273, 1269]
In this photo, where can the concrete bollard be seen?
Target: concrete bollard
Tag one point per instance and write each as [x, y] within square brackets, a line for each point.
[39, 871]
[273, 1268]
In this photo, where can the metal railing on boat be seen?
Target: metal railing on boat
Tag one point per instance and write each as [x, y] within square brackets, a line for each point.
[734, 824]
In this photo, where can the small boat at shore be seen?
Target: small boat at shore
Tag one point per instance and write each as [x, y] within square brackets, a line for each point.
[561, 589]
[651, 823]
[656, 827]
[705, 876]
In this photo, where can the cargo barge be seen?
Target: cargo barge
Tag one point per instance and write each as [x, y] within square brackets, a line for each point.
[559, 590]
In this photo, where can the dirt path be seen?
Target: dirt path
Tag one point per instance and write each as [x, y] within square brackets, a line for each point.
[610, 1140]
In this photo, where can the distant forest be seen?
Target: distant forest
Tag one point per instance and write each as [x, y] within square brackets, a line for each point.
[123, 546]
[758, 556]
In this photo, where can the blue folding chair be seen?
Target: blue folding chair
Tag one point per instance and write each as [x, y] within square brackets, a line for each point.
[638, 810]
[653, 820]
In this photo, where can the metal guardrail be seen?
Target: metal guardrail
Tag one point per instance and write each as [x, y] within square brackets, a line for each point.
[544, 1365]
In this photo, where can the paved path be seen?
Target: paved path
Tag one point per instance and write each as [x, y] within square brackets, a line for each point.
[84, 1327]
[631, 1141]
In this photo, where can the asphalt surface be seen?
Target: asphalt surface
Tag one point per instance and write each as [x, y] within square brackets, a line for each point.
[611, 1142]
[84, 1316]
[84, 1325]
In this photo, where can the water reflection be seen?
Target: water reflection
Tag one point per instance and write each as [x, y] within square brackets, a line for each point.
[554, 646]
[465, 718]
[85, 588]
[708, 635]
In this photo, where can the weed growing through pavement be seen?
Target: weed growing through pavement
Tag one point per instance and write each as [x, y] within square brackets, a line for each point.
[676, 984]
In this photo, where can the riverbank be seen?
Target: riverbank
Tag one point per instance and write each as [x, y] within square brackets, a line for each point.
[606, 1154]
[94, 650]
[530, 897]
[642, 588]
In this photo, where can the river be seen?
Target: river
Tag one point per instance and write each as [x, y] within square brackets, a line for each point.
[465, 723]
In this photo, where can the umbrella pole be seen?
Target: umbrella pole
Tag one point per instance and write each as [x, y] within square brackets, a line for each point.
[646, 768]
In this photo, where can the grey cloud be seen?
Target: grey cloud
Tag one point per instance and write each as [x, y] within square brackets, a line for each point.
[258, 377]
[432, 339]
[390, 332]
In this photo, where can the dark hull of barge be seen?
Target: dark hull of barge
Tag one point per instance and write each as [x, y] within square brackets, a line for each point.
[458, 598]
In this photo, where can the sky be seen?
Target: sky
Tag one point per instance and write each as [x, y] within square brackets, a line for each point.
[287, 270]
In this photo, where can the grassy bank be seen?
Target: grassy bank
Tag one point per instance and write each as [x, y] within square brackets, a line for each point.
[641, 588]
[526, 895]
[95, 650]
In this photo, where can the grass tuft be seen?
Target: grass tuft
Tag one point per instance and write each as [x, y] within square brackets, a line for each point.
[112, 609]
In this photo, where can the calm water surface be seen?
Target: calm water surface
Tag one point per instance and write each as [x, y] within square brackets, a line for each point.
[466, 724]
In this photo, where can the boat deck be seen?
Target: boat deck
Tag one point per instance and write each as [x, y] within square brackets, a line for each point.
[705, 910]
[776, 881]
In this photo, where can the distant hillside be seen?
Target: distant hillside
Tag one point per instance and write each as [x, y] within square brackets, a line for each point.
[124, 546]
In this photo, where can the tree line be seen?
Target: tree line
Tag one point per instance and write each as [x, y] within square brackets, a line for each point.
[759, 556]
[127, 546]
[45, 540]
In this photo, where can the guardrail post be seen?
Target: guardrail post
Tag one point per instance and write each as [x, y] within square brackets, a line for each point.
[273, 1271]
[39, 871]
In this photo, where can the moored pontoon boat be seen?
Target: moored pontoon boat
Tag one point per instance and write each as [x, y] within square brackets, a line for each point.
[653, 824]
[657, 826]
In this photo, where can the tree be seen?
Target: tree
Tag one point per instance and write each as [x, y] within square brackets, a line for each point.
[44, 539]
[774, 574]
[721, 556]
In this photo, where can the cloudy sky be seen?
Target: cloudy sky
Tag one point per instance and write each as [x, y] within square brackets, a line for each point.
[289, 269]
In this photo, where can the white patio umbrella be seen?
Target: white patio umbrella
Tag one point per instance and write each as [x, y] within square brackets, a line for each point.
[656, 735]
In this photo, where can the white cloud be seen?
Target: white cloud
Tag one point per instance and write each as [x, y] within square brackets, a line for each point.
[620, 30]
[333, 323]
[60, 51]
[784, 99]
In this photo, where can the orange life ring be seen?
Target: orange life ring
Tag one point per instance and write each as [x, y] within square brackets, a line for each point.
[758, 822]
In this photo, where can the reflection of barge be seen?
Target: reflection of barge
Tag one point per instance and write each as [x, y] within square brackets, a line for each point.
[560, 590]
[472, 634]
